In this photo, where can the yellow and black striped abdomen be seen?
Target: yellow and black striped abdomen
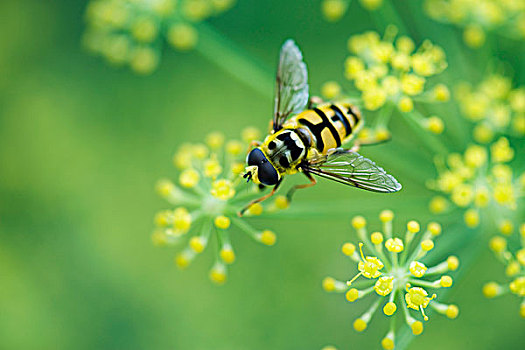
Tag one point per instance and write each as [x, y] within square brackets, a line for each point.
[329, 125]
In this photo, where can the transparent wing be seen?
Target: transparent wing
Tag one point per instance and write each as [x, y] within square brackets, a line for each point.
[353, 169]
[291, 91]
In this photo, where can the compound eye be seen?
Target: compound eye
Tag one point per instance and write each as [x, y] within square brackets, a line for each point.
[265, 171]
[267, 174]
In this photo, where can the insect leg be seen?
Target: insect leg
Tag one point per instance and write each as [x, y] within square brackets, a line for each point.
[292, 190]
[258, 200]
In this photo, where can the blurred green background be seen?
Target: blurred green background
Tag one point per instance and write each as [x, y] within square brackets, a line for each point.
[82, 145]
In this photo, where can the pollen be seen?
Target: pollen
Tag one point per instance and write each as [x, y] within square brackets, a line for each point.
[222, 189]
[394, 245]
[352, 295]
[417, 269]
[384, 285]
[268, 238]
[222, 222]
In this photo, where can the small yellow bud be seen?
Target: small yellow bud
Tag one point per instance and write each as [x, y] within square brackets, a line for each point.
[281, 202]
[438, 205]
[441, 93]
[417, 327]
[390, 308]
[348, 249]
[333, 10]
[358, 222]
[374, 98]
[144, 30]
[222, 221]
[234, 147]
[405, 104]
[405, 44]
[452, 263]
[218, 275]
[434, 228]
[417, 269]
[435, 125]
[371, 4]
[506, 227]
[268, 237]
[222, 189]
[330, 90]
[250, 134]
[491, 289]
[471, 218]
[483, 133]
[513, 268]
[452, 311]
[498, 244]
[360, 325]
[352, 295]
[144, 60]
[215, 140]
[446, 281]
[212, 168]
[182, 36]
[189, 178]
[520, 255]
[386, 215]
[474, 36]
[197, 244]
[159, 238]
[412, 84]
[427, 245]
[329, 284]
[181, 261]
[227, 255]
[387, 344]
[377, 237]
[181, 220]
[413, 226]
[255, 209]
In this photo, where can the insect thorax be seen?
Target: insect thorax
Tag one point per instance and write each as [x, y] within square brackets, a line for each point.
[285, 149]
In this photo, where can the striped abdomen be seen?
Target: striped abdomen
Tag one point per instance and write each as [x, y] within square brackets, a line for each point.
[329, 125]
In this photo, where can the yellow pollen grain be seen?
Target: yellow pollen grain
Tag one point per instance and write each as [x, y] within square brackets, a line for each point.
[268, 238]
[390, 308]
[181, 261]
[417, 327]
[452, 311]
[329, 284]
[189, 178]
[490, 290]
[446, 281]
[222, 222]
[471, 218]
[434, 228]
[427, 245]
[376, 237]
[441, 93]
[255, 209]
[359, 325]
[352, 295]
[386, 216]
[405, 104]
[498, 244]
[197, 244]
[387, 344]
[452, 263]
[413, 226]
[227, 255]
[217, 276]
[348, 249]
[281, 202]
[358, 222]
[506, 227]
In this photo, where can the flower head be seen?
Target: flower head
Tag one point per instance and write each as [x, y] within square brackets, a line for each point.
[392, 73]
[132, 32]
[494, 106]
[396, 273]
[207, 196]
[479, 17]
[509, 249]
[482, 179]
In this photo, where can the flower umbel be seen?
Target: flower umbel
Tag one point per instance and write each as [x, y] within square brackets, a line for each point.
[207, 196]
[514, 262]
[396, 272]
[132, 32]
[481, 180]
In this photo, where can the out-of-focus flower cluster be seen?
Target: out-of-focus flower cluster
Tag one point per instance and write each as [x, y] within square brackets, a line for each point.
[334, 10]
[396, 273]
[480, 16]
[514, 261]
[133, 32]
[494, 106]
[480, 179]
[206, 197]
[391, 72]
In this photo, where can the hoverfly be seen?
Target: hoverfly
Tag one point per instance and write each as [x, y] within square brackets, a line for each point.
[309, 142]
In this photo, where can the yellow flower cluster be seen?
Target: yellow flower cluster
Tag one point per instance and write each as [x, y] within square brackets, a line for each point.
[494, 106]
[514, 262]
[391, 72]
[334, 10]
[480, 179]
[397, 273]
[132, 32]
[207, 196]
[479, 17]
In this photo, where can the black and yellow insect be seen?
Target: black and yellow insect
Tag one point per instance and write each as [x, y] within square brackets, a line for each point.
[310, 141]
